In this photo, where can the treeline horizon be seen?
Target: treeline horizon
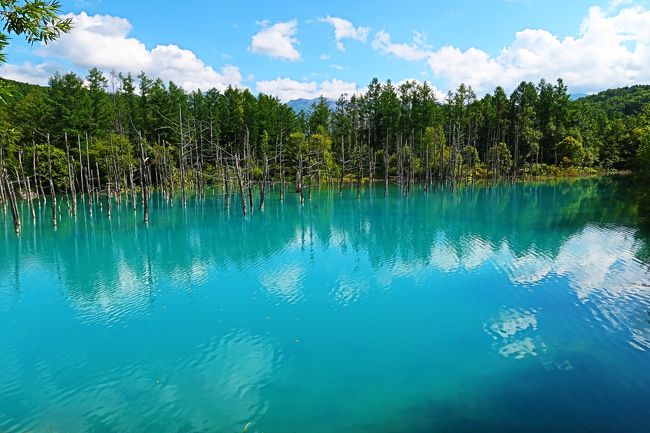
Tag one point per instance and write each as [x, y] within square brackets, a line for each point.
[125, 135]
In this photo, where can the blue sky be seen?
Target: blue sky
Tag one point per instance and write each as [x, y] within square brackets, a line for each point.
[290, 48]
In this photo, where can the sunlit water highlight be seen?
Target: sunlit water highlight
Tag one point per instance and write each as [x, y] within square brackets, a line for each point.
[511, 308]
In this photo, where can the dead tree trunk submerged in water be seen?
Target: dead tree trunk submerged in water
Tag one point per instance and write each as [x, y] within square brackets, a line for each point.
[12, 201]
[143, 182]
[73, 191]
[108, 190]
[52, 191]
[30, 198]
[241, 185]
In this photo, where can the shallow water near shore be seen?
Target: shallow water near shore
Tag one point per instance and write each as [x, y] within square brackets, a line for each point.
[496, 308]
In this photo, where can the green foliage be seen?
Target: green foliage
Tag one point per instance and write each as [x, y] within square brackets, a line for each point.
[621, 102]
[35, 20]
[14, 91]
[70, 104]
[320, 145]
[257, 173]
[402, 126]
[116, 150]
[470, 156]
[33, 112]
[298, 145]
[499, 159]
[643, 164]
[264, 144]
[45, 154]
[98, 103]
[643, 157]
[571, 152]
[320, 115]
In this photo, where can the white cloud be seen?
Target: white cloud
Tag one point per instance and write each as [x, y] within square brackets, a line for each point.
[324, 56]
[103, 41]
[335, 88]
[99, 40]
[277, 40]
[287, 89]
[611, 49]
[416, 50]
[28, 72]
[344, 29]
[439, 94]
[615, 4]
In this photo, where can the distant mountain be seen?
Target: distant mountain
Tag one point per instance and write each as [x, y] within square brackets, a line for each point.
[305, 105]
[13, 91]
[576, 96]
[626, 101]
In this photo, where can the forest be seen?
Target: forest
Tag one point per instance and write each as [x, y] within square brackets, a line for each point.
[121, 135]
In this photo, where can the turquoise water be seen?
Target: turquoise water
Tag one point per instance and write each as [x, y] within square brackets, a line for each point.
[513, 308]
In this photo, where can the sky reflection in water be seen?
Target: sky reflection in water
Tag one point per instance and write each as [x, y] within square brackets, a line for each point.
[511, 308]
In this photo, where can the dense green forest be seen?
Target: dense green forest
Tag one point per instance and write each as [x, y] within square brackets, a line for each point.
[121, 134]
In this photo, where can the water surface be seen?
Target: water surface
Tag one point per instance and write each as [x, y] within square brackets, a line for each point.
[512, 308]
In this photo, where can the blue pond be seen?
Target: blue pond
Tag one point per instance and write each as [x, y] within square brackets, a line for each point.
[522, 308]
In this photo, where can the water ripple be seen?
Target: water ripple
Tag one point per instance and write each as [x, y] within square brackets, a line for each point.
[284, 283]
[445, 298]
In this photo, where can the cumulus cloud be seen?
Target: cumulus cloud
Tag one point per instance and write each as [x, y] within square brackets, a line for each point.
[29, 72]
[277, 40]
[614, 4]
[416, 50]
[344, 29]
[439, 94]
[612, 49]
[287, 89]
[103, 41]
